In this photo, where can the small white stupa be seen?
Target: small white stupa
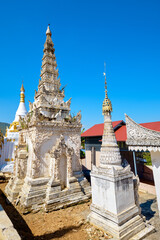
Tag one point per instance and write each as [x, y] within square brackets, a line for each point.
[21, 111]
[115, 207]
[11, 137]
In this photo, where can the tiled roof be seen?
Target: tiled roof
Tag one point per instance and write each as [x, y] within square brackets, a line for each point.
[152, 125]
[120, 133]
[97, 129]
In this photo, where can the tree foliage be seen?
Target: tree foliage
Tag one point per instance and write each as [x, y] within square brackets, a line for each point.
[3, 127]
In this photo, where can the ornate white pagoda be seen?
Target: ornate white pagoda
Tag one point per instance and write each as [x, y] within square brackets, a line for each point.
[48, 173]
[114, 207]
[11, 138]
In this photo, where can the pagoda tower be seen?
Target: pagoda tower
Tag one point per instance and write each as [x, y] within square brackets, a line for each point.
[49, 98]
[115, 206]
[48, 172]
[12, 136]
[110, 154]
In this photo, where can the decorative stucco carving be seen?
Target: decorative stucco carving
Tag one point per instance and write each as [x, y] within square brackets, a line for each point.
[78, 117]
[30, 106]
[49, 153]
[141, 138]
[109, 154]
[62, 149]
[111, 170]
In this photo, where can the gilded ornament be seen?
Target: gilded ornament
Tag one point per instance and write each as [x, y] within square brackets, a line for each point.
[107, 105]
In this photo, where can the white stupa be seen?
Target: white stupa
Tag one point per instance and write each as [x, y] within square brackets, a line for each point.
[11, 137]
[115, 208]
[21, 111]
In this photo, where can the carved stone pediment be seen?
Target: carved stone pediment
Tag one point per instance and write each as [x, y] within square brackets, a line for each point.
[141, 138]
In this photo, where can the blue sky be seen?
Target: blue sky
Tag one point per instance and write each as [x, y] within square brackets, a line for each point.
[124, 34]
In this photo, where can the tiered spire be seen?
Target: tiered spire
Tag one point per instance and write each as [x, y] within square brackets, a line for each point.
[49, 72]
[110, 154]
[49, 82]
[49, 97]
[107, 105]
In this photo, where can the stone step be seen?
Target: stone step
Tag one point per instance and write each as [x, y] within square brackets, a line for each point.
[144, 233]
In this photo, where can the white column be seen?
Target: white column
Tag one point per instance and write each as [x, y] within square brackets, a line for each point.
[155, 156]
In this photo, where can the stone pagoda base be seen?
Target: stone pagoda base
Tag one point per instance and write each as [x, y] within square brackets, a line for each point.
[79, 191]
[42, 193]
[13, 188]
[113, 206]
[125, 231]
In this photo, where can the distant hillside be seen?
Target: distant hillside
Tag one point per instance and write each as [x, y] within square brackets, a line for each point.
[3, 127]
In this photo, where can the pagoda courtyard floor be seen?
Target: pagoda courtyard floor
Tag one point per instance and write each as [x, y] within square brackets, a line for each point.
[148, 204]
[70, 223]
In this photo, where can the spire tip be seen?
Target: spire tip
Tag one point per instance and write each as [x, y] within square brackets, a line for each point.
[107, 106]
[48, 32]
[22, 87]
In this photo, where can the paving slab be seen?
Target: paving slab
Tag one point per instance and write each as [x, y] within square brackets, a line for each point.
[7, 230]
[144, 187]
[148, 204]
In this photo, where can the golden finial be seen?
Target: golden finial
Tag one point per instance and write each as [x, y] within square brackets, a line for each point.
[22, 96]
[22, 88]
[107, 106]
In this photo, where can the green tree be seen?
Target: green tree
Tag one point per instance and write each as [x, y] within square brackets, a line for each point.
[147, 156]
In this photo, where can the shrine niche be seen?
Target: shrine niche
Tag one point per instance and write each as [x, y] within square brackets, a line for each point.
[48, 173]
[61, 159]
[143, 139]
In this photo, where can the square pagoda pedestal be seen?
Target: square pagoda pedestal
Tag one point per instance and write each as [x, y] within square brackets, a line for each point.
[113, 206]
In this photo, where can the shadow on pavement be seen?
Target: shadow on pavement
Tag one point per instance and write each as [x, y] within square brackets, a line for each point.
[146, 209]
[57, 234]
